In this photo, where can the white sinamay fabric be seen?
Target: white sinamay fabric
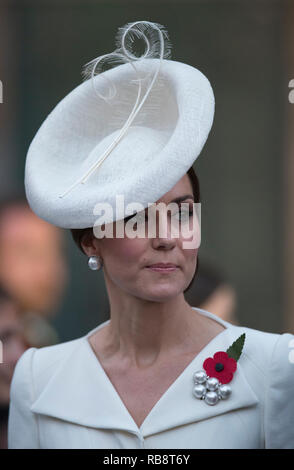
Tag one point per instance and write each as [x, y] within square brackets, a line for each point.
[162, 143]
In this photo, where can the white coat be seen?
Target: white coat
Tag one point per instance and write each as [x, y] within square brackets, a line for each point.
[61, 397]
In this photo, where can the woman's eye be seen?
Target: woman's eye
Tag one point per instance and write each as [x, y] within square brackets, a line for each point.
[184, 215]
[138, 218]
[143, 217]
[126, 219]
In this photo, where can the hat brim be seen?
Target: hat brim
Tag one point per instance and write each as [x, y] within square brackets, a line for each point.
[162, 143]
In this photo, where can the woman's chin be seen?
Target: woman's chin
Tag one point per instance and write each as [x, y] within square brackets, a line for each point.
[160, 293]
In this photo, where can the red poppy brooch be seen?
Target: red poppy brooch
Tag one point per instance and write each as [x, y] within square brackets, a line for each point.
[211, 384]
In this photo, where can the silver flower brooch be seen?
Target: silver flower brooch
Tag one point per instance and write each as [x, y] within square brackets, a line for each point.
[211, 382]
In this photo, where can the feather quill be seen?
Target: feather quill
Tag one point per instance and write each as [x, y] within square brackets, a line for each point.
[157, 45]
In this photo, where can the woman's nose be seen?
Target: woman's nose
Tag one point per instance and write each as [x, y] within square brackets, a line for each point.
[164, 237]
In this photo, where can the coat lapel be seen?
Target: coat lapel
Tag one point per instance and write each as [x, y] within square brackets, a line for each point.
[178, 406]
[81, 392]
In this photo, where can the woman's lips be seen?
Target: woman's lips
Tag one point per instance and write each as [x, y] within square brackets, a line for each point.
[162, 268]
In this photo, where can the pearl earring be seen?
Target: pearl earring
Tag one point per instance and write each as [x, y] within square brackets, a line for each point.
[95, 262]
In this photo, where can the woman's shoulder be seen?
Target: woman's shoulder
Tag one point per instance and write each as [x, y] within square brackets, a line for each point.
[260, 346]
[259, 339]
[41, 363]
[44, 359]
[266, 356]
[264, 348]
[268, 363]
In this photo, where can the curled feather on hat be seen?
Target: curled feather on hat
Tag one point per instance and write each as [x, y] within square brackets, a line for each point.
[157, 46]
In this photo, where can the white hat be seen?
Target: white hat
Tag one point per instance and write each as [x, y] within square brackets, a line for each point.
[145, 121]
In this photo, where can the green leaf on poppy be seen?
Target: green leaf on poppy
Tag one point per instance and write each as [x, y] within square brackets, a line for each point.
[235, 350]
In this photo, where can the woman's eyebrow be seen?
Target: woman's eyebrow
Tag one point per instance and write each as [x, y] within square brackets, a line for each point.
[182, 198]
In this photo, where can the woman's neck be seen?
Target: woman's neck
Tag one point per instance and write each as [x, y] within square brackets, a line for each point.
[144, 334]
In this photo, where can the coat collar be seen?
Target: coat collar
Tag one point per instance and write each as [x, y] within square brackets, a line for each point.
[81, 392]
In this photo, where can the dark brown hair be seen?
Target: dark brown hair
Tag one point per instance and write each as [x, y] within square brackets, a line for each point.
[196, 192]
[78, 233]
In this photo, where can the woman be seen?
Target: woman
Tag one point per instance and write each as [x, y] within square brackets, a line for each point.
[159, 373]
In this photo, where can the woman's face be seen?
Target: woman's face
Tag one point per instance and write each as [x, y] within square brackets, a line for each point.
[126, 260]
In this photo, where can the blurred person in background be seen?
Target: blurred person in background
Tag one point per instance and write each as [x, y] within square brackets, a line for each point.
[214, 293]
[32, 268]
[13, 344]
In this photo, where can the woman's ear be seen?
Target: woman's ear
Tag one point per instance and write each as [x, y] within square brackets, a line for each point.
[88, 243]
